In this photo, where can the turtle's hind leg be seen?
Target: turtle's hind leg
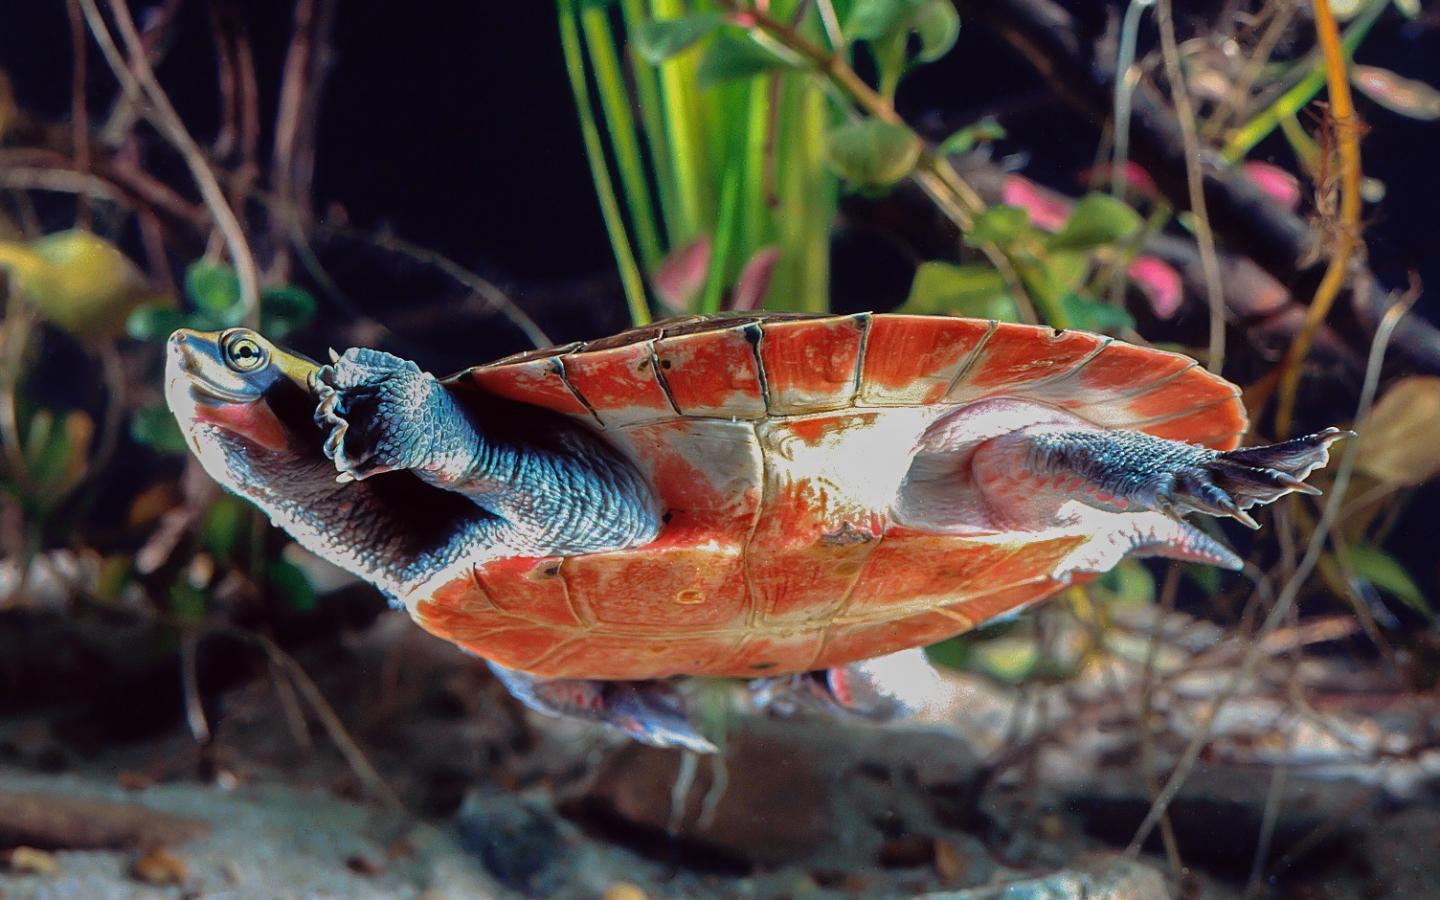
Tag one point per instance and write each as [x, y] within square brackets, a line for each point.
[651, 712]
[1128, 471]
[874, 690]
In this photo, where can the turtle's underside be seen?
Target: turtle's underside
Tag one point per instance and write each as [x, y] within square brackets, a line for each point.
[753, 497]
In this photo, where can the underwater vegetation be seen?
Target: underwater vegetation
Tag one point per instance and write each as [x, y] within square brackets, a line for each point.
[1248, 183]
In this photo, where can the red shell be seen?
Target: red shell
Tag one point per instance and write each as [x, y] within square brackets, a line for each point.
[771, 561]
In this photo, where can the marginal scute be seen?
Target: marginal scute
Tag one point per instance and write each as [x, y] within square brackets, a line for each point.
[619, 384]
[913, 360]
[812, 364]
[1022, 359]
[713, 372]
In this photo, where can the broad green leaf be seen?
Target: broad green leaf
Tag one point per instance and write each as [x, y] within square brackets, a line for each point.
[223, 526]
[1097, 220]
[1130, 583]
[1398, 440]
[1009, 659]
[975, 291]
[938, 25]
[153, 322]
[155, 427]
[292, 587]
[76, 280]
[596, 4]
[1206, 578]
[187, 602]
[872, 153]
[284, 309]
[1089, 314]
[1385, 572]
[954, 653]
[658, 41]
[971, 136]
[215, 290]
[732, 56]
[1000, 224]
[873, 19]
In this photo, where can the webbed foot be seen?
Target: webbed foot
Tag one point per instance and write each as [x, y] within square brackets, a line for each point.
[379, 413]
[1029, 472]
[651, 712]
[1235, 480]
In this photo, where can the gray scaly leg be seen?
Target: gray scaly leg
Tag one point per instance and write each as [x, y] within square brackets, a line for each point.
[651, 712]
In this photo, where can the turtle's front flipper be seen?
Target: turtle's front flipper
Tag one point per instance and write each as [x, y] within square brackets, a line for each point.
[875, 690]
[382, 413]
[651, 712]
[557, 488]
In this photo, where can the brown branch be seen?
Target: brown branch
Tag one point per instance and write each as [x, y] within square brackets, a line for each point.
[79, 115]
[1051, 40]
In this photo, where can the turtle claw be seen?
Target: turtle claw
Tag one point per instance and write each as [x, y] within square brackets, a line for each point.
[331, 411]
[1235, 480]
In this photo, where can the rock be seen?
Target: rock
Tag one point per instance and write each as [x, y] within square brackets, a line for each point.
[519, 843]
[29, 861]
[770, 807]
[160, 867]
[58, 822]
[1105, 878]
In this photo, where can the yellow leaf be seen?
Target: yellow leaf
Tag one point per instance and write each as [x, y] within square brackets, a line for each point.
[76, 280]
[1400, 439]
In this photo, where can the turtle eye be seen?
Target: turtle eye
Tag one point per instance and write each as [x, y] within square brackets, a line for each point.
[243, 353]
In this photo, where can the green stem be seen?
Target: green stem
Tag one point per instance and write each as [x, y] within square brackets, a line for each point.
[1244, 139]
[725, 228]
[647, 93]
[680, 102]
[615, 104]
[630, 277]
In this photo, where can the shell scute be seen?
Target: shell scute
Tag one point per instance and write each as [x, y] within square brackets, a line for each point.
[1021, 359]
[812, 364]
[536, 378]
[619, 384]
[913, 360]
[714, 371]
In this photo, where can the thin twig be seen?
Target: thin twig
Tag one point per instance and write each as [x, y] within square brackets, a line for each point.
[1147, 709]
[1288, 593]
[1209, 261]
[1347, 235]
[142, 85]
[288, 116]
[486, 290]
[334, 727]
[79, 114]
[190, 686]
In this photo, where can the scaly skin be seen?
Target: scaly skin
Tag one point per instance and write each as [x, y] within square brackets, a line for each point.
[515, 482]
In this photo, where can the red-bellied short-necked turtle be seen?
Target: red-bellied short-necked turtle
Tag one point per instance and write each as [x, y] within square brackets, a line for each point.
[776, 497]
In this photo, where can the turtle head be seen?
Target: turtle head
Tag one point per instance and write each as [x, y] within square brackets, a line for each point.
[240, 382]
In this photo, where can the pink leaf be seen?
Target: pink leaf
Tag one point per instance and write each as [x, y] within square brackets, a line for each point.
[1159, 283]
[1048, 209]
[1280, 185]
[1136, 178]
[681, 275]
[754, 279]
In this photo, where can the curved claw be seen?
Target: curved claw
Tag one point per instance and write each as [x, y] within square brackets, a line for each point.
[329, 416]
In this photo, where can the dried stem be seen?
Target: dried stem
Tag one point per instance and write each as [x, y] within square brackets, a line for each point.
[1185, 113]
[334, 727]
[1281, 608]
[79, 114]
[1347, 235]
[144, 90]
